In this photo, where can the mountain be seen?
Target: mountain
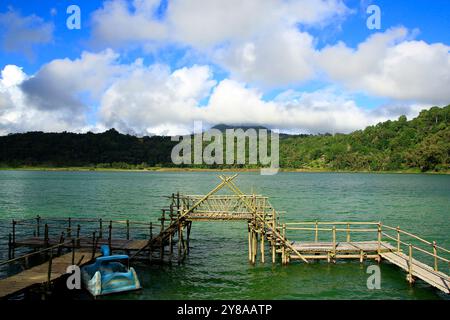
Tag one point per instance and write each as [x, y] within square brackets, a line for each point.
[422, 143]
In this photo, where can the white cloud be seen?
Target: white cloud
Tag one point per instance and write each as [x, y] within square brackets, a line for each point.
[22, 34]
[389, 65]
[275, 59]
[155, 100]
[120, 23]
[60, 83]
[206, 23]
[152, 99]
[19, 115]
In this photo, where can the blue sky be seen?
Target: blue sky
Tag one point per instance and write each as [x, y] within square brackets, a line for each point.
[306, 67]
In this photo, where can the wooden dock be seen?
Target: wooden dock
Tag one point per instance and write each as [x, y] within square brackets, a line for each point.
[40, 274]
[268, 236]
[419, 270]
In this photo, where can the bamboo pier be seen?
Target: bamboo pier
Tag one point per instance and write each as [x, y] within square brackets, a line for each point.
[269, 238]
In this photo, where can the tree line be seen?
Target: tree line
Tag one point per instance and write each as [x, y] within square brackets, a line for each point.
[422, 143]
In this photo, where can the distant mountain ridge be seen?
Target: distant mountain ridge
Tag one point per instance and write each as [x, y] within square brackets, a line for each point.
[422, 143]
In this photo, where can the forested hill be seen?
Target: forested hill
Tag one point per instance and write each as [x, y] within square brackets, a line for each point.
[422, 144]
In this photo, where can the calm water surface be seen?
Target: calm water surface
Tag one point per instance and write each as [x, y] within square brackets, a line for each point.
[217, 266]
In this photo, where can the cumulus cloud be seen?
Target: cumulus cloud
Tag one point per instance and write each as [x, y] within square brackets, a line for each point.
[120, 23]
[153, 100]
[275, 59]
[60, 83]
[19, 115]
[21, 34]
[206, 23]
[390, 65]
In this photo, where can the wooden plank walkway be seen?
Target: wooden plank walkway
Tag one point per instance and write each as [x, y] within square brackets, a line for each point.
[420, 270]
[344, 250]
[39, 274]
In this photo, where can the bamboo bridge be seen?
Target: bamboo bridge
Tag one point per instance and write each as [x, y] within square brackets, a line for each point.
[268, 238]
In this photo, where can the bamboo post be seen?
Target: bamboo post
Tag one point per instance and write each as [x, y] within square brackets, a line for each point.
[255, 246]
[78, 235]
[435, 256]
[61, 240]
[46, 238]
[128, 229]
[334, 240]
[249, 243]
[73, 251]
[110, 235]
[94, 245]
[38, 226]
[188, 236]
[283, 252]
[263, 225]
[316, 233]
[379, 239]
[100, 228]
[348, 232]
[410, 276]
[398, 239]
[180, 235]
[69, 228]
[14, 222]
[262, 247]
[273, 251]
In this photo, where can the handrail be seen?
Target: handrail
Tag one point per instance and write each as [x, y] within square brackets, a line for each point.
[332, 223]
[42, 250]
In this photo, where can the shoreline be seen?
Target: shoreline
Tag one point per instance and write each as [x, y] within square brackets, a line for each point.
[167, 169]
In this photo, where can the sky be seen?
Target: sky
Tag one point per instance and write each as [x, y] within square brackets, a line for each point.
[149, 67]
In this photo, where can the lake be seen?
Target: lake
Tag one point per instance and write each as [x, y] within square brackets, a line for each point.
[217, 267]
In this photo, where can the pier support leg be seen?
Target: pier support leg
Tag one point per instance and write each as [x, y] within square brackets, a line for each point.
[262, 247]
[188, 236]
[273, 251]
[249, 244]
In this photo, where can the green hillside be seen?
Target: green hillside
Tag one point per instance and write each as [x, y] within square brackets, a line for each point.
[421, 144]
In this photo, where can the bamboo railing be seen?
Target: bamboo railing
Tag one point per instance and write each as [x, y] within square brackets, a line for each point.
[394, 235]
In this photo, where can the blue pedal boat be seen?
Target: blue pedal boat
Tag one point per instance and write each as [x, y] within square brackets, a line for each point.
[110, 274]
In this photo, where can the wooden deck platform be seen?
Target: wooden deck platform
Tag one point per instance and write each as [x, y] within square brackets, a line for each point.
[343, 250]
[39, 274]
[420, 270]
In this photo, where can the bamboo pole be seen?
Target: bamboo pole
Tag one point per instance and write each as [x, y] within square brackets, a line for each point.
[73, 251]
[410, 275]
[316, 233]
[379, 239]
[262, 246]
[100, 228]
[398, 239]
[334, 240]
[38, 226]
[78, 235]
[110, 235]
[348, 232]
[283, 252]
[230, 184]
[435, 256]
[46, 239]
[249, 243]
[69, 229]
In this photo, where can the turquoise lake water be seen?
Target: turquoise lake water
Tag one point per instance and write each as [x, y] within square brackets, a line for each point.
[217, 266]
